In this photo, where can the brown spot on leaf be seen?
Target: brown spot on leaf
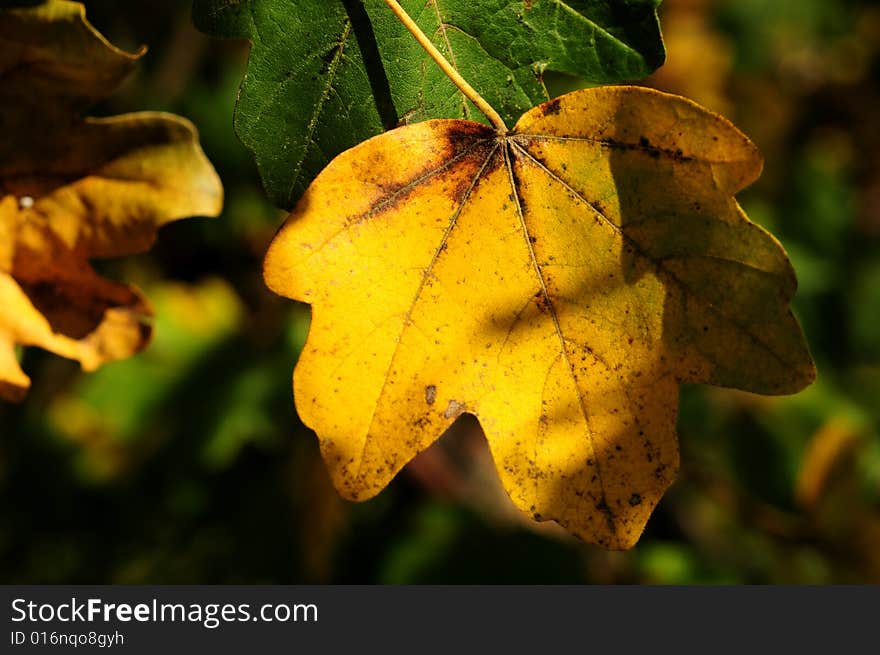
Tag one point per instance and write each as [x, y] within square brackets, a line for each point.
[542, 302]
[551, 108]
[644, 145]
[462, 135]
[430, 394]
[453, 409]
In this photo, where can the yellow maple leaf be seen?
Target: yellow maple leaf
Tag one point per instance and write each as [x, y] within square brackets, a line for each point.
[558, 281]
[74, 188]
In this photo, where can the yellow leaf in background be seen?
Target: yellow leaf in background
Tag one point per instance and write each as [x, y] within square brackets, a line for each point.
[825, 457]
[558, 282]
[74, 188]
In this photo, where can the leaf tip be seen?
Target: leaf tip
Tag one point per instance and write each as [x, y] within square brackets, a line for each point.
[14, 385]
[80, 10]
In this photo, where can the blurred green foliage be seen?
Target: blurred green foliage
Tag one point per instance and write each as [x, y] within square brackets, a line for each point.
[187, 464]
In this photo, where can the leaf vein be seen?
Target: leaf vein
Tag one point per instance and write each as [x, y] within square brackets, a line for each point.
[658, 263]
[551, 310]
[428, 272]
[391, 198]
[319, 107]
[441, 27]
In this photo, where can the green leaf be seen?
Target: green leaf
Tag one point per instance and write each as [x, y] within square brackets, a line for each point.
[324, 75]
[305, 96]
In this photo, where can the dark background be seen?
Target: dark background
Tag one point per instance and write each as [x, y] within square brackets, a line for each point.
[187, 463]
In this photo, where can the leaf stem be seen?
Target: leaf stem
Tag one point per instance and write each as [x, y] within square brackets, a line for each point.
[469, 91]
